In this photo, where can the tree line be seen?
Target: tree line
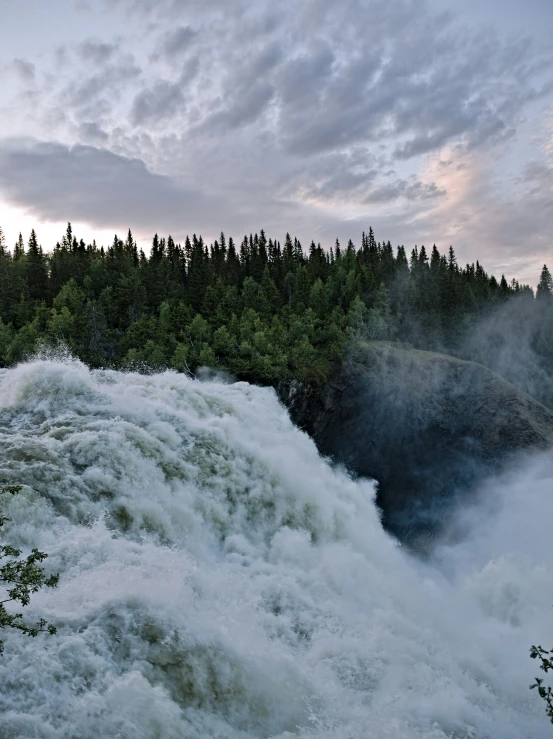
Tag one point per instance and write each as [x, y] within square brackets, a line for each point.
[260, 309]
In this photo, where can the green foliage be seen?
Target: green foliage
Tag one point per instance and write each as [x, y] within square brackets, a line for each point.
[6, 338]
[263, 311]
[22, 345]
[546, 664]
[21, 577]
[180, 358]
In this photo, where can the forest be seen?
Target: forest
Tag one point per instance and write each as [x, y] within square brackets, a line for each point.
[260, 310]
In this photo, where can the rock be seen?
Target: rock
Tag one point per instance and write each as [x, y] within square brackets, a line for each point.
[426, 426]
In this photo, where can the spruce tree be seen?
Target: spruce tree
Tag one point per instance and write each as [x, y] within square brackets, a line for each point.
[452, 260]
[19, 249]
[6, 281]
[35, 269]
[545, 286]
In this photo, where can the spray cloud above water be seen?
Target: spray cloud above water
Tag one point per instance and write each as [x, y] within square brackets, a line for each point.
[219, 579]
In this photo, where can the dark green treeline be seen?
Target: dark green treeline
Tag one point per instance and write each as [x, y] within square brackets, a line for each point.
[261, 309]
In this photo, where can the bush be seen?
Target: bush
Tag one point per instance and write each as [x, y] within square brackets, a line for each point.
[21, 578]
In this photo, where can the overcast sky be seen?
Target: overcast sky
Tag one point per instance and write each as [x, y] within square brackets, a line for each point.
[430, 120]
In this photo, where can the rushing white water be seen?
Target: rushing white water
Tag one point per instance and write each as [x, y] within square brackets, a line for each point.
[219, 579]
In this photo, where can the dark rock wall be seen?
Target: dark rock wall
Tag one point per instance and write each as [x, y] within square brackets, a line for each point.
[426, 426]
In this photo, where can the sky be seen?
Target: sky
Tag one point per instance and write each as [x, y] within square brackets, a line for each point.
[429, 120]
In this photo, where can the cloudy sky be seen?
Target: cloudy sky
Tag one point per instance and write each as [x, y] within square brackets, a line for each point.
[431, 120]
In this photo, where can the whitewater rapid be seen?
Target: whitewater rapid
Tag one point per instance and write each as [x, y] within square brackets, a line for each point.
[218, 578]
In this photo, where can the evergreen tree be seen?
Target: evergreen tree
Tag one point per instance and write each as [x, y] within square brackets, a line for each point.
[452, 260]
[19, 249]
[6, 281]
[545, 286]
[36, 272]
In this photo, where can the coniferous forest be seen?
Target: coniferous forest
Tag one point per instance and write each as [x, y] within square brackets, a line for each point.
[261, 309]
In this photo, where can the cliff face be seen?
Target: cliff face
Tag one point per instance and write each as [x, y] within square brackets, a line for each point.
[426, 426]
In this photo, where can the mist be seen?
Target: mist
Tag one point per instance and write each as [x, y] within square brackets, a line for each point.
[426, 426]
[514, 340]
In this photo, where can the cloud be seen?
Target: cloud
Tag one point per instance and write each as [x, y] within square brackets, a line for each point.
[97, 93]
[161, 100]
[91, 132]
[427, 82]
[95, 51]
[173, 45]
[411, 189]
[178, 40]
[24, 70]
[354, 176]
[419, 82]
[504, 223]
[246, 107]
[417, 79]
[84, 183]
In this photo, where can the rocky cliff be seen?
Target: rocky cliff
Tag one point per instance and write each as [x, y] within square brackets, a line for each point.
[426, 426]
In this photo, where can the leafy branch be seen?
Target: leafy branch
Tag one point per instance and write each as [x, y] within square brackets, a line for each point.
[21, 578]
[545, 692]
